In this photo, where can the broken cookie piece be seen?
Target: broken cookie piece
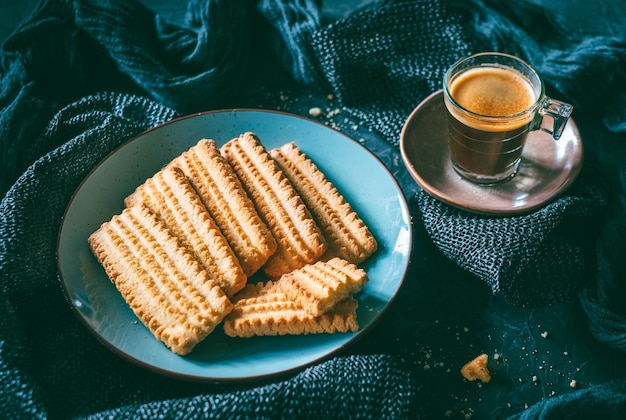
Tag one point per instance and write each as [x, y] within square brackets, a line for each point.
[477, 369]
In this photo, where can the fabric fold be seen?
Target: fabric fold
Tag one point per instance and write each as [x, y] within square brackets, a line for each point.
[67, 50]
[607, 400]
[294, 23]
[538, 259]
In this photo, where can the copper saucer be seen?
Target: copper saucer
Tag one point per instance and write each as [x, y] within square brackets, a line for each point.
[547, 169]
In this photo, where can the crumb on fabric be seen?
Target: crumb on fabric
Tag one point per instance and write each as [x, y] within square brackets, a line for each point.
[477, 369]
[315, 111]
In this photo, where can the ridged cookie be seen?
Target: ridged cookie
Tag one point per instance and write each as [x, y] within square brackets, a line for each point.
[227, 202]
[299, 240]
[165, 286]
[170, 196]
[320, 286]
[262, 310]
[347, 235]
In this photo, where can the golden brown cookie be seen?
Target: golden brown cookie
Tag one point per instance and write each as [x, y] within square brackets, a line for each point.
[345, 232]
[223, 195]
[165, 286]
[320, 286]
[169, 195]
[299, 240]
[263, 310]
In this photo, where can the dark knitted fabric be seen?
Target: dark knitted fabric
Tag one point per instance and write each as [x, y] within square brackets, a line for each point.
[351, 387]
[532, 260]
[380, 63]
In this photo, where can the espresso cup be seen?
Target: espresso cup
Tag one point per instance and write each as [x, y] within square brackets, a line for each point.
[493, 101]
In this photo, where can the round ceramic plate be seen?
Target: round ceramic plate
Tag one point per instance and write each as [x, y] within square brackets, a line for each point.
[363, 180]
[547, 169]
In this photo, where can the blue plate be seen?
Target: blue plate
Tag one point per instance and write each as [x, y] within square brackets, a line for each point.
[363, 180]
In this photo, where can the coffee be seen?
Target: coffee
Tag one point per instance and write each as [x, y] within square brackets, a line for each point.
[488, 145]
[493, 92]
[493, 101]
[485, 152]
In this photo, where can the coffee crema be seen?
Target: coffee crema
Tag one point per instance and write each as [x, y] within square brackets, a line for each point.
[492, 92]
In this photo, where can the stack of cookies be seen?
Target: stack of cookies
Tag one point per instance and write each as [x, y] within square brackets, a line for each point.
[182, 251]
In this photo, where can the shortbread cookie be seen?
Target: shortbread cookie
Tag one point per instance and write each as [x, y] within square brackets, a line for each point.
[170, 196]
[299, 239]
[263, 310]
[345, 232]
[224, 197]
[320, 286]
[165, 286]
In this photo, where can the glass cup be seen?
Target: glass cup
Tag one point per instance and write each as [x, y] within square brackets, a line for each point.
[494, 100]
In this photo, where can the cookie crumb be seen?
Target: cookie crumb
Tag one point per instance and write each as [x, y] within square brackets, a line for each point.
[573, 383]
[477, 369]
[333, 112]
[315, 111]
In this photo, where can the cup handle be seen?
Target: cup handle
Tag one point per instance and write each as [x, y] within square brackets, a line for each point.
[558, 111]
